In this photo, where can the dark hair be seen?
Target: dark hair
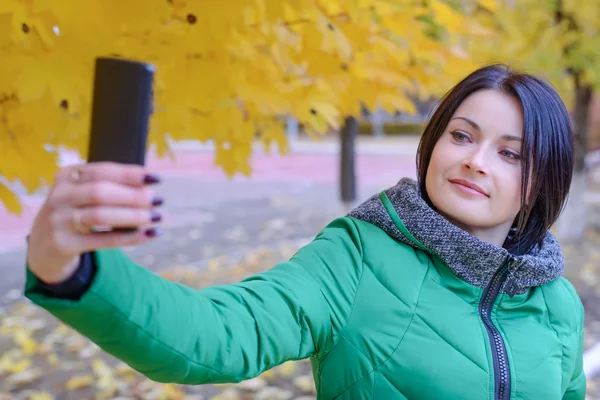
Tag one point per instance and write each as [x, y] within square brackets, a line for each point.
[547, 147]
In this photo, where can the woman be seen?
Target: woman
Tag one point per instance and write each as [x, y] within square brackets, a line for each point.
[446, 288]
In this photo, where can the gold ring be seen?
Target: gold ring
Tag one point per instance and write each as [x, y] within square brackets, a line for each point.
[78, 222]
[75, 174]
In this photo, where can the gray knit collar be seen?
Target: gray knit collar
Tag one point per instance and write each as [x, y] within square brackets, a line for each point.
[469, 258]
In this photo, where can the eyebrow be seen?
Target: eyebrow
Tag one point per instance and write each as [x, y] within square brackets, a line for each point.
[508, 138]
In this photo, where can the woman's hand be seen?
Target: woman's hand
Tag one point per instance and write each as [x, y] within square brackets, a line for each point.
[85, 197]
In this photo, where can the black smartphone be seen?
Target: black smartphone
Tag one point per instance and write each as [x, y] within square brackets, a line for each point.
[122, 105]
[121, 109]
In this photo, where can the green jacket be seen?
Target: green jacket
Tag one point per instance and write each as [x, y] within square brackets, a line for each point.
[381, 316]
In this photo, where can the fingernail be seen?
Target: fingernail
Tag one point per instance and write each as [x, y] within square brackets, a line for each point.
[155, 217]
[154, 232]
[157, 201]
[150, 179]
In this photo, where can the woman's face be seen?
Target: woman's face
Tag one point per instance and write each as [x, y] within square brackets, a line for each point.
[474, 176]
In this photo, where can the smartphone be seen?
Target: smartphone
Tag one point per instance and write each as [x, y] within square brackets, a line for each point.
[122, 104]
[121, 110]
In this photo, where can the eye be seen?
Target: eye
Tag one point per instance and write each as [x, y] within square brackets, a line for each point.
[460, 137]
[510, 154]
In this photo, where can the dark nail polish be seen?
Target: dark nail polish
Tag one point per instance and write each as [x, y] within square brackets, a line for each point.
[150, 179]
[157, 201]
[153, 232]
[155, 217]
[125, 230]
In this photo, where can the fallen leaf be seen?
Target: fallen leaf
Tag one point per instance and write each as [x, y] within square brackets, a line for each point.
[254, 384]
[75, 343]
[8, 359]
[88, 351]
[78, 382]
[268, 374]
[168, 275]
[45, 348]
[273, 393]
[19, 366]
[36, 324]
[305, 383]
[173, 392]
[40, 396]
[125, 371]
[25, 377]
[52, 358]
[22, 338]
[228, 394]
[213, 264]
[286, 369]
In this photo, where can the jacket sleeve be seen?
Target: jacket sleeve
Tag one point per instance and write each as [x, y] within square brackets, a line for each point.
[577, 387]
[172, 333]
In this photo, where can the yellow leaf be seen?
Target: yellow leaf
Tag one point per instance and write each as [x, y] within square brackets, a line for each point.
[126, 372]
[489, 5]
[52, 359]
[287, 369]
[305, 383]
[22, 338]
[268, 374]
[172, 392]
[397, 102]
[40, 396]
[101, 368]
[20, 366]
[25, 377]
[275, 133]
[10, 200]
[78, 382]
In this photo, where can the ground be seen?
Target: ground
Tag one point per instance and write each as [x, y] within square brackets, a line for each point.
[217, 231]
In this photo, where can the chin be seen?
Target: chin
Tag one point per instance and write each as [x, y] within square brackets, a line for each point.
[469, 215]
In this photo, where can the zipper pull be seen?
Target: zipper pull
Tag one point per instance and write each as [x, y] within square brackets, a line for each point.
[511, 287]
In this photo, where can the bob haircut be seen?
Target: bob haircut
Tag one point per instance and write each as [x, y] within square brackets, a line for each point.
[547, 148]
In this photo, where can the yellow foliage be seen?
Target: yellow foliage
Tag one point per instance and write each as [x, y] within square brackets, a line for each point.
[227, 71]
[10, 199]
[529, 35]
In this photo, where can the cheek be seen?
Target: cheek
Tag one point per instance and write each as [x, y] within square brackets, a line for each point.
[510, 189]
[439, 156]
[438, 164]
[433, 168]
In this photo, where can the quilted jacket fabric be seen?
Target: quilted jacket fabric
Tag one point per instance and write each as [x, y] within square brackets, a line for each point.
[379, 313]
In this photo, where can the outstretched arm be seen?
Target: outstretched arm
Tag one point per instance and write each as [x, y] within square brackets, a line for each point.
[172, 333]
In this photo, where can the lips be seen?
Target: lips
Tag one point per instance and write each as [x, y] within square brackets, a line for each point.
[470, 185]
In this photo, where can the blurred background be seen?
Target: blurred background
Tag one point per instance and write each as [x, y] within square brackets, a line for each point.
[271, 118]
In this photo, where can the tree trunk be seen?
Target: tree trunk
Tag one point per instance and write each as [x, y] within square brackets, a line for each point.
[347, 162]
[572, 224]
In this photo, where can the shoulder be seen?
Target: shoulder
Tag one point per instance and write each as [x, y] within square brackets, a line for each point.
[354, 229]
[565, 307]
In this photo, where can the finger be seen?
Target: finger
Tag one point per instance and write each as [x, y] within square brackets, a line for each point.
[118, 217]
[103, 240]
[125, 174]
[108, 194]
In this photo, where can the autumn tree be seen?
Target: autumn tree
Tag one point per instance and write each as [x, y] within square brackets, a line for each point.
[559, 40]
[227, 71]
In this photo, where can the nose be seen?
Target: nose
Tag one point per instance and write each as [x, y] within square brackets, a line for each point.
[475, 162]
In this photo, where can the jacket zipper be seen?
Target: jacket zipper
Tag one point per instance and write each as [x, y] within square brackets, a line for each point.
[500, 359]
